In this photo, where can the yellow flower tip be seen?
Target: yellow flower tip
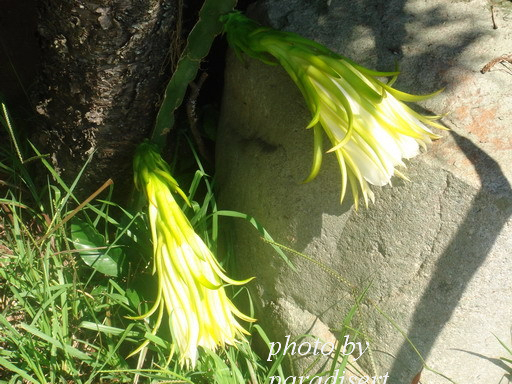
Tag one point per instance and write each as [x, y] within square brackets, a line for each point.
[191, 283]
[317, 154]
[401, 175]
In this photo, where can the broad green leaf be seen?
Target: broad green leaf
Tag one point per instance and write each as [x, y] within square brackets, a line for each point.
[93, 248]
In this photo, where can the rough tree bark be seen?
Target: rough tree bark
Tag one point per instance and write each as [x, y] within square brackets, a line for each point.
[102, 72]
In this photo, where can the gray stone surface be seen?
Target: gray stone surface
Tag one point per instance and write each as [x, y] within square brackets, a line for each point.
[437, 250]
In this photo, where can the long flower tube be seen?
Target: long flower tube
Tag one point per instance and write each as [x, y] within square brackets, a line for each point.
[370, 128]
[190, 280]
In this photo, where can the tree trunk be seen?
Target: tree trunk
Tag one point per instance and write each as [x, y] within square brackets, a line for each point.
[102, 72]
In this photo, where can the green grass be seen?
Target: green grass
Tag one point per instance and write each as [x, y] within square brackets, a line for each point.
[507, 361]
[46, 291]
[70, 273]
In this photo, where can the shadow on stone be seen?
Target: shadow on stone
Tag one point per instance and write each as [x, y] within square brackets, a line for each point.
[466, 252]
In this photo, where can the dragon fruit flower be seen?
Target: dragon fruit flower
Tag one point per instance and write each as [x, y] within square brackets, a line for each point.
[369, 126]
[191, 283]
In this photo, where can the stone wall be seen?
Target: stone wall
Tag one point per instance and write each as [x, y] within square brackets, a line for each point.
[437, 249]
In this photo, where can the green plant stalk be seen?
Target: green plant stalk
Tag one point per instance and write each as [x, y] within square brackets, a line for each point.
[7, 122]
[198, 45]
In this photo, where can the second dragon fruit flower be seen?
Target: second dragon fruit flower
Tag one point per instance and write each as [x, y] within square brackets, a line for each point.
[191, 283]
[370, 127]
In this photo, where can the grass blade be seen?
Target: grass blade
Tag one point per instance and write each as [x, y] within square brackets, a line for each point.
[72, 351]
